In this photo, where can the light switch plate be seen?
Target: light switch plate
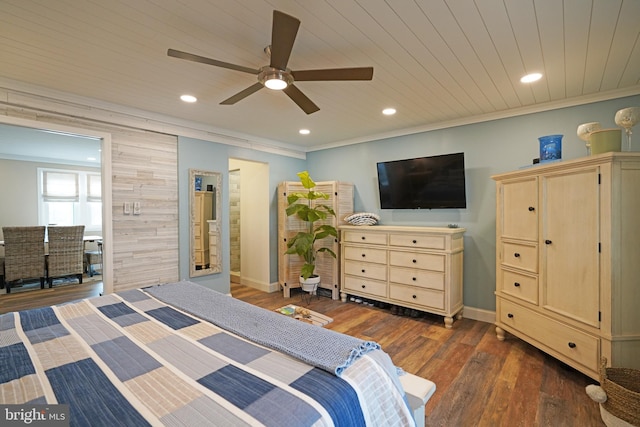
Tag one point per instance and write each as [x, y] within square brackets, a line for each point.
[127, 208]
[136, 208]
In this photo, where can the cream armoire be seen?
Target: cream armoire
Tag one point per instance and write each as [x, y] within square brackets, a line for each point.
[289, 266]
[568, 259]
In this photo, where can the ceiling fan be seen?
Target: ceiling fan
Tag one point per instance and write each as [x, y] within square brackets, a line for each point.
[276, 75]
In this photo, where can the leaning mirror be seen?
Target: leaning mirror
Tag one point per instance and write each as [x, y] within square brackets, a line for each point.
[204, 218]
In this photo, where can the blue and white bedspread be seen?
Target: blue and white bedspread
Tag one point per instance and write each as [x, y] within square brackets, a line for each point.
[154, 357]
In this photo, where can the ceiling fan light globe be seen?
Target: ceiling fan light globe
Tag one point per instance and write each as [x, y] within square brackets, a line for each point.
[275, 84]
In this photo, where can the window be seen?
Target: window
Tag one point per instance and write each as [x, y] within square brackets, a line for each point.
[70, 197]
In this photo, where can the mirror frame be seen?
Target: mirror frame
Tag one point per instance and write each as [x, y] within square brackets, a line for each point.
[217, 223]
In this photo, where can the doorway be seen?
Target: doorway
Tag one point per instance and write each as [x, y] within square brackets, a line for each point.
[249, 223]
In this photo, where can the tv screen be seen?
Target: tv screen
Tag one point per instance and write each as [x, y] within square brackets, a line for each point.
[435, 182]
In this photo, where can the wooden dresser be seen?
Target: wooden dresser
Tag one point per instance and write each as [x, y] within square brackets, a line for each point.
[414, 267]
[568, 259]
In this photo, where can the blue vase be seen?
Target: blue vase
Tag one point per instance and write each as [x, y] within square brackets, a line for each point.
[550, 147]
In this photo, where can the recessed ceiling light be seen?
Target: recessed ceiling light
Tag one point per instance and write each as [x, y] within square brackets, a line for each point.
[304, 131]
[529, 78]
[389, 111]
[188, 98]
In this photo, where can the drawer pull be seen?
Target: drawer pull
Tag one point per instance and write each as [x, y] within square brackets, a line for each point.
[414, 261]
[510, 316]
[572, 344]
[363, 270]
[548, 242]
[414, 279]
[517, 255]
[364, 255]
[364, 286]
[415, 241]
[414, 296]
[516, 284]
[363, 238]
[531, 209]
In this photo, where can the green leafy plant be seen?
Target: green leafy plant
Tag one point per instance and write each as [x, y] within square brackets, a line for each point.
[304, 242]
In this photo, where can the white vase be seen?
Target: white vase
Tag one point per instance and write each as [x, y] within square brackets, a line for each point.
[311, 284]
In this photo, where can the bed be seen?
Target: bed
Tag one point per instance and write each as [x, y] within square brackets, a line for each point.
[182, 354]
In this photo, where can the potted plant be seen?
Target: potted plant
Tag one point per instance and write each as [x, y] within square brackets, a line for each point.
[305, 206]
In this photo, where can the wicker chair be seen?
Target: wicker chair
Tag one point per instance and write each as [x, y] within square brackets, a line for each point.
[23, 254]
[66, 252]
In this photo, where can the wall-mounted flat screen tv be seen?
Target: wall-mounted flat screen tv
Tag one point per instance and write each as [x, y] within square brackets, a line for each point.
[434, 182]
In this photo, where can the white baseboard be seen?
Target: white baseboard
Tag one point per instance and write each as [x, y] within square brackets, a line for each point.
[479, 314]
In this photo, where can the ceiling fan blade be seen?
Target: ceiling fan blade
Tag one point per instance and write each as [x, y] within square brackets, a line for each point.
[301, 99]
[242, 94]
[196, 58]
[363, 73]
[283, 34]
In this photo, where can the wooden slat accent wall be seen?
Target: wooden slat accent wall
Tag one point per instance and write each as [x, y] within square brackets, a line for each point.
[144, 169]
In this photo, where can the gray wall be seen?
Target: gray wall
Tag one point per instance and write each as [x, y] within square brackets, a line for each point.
[490, 148]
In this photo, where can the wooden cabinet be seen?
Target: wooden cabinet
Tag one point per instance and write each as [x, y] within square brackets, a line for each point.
[567, 251]
[203, 212]
[414, 267]
[327, 267]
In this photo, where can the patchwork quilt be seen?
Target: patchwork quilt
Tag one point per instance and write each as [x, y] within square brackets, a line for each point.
[135, 359]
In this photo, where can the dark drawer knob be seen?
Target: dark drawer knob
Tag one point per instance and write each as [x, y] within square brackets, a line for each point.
[364, 286]
[363, 255]
[414, 297]
[415, 241]
[572, 344]
[517, 255]
[548, 242]
[516, 284]
[363, 238]
[414, 261]
[510, 316]
[363, 270]
[414, 279]
[531, 209]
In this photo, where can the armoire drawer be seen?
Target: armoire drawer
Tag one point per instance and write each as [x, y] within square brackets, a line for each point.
[424, 297]
[415, 277]
[366, 269]
[416, 241]
[520, 255]
[521, 286]
[365, 254]
[363, 285]
[364, 237]
[571, 343]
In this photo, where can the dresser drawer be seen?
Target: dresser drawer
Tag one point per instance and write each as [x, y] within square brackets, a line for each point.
[433, 262]
[362, 285]
[415, 277]
[417, 241]
[424, 297]
[365, 237]
[520, 255]
[571, 343]
[366, 269]
[365, 254]
[520, 286]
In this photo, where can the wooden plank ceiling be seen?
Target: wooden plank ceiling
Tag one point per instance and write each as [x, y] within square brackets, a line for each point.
[438, 62]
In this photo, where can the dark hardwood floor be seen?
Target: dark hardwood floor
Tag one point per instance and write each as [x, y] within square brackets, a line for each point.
[480, 381]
